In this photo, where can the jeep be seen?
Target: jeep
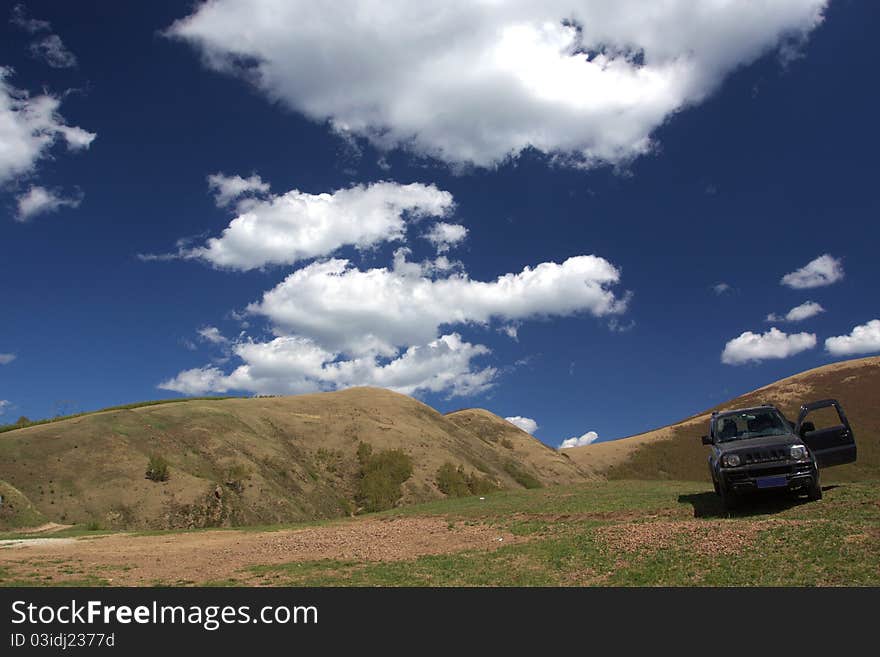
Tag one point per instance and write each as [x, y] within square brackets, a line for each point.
[758, 448]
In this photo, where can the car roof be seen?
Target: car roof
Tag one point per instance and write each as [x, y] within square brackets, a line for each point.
[733, 411]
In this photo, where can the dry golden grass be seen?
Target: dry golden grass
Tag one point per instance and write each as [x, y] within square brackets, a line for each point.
[294, 458]
[674, 452]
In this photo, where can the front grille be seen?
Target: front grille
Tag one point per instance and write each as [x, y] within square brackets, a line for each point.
[764, 455]
[754, 473]
[770, 472]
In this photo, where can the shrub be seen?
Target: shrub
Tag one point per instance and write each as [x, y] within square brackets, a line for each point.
[454, 482]
[157, 469]
[481, 485]
[520, 476]
[507, 443]
[381, 477]
[234, 476]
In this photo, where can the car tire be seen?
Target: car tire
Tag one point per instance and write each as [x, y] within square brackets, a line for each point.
[814, 492]
[729, 499]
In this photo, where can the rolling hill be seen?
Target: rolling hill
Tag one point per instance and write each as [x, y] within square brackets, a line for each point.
[674, 452]
[252, 461]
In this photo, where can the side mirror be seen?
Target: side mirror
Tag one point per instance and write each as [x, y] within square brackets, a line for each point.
[806, 428]
[707, 440]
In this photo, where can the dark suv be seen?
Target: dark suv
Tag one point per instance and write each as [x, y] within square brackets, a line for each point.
[758, 448]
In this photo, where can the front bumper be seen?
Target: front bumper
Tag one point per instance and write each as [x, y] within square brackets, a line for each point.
[789, 475]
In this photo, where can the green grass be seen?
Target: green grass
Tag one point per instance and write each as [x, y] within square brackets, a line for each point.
[565, 536]
[830, 543]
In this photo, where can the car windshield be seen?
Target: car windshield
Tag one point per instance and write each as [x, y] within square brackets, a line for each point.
[749, 424]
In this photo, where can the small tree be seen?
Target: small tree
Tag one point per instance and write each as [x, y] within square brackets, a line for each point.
[157, 468]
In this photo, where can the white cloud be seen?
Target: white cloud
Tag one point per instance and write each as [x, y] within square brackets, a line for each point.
[798, 313]
[527, 424]
[29, 127]
[444, 236]
[721, 288]
[579, 441]
[337, 325]
[297, 226]
[229, 188]
[5, 359]
[478, 82]
[294, 365]
[4, 404]
[511, 331]
[53, 51]
[39, 200]
[755, 347]
[20, 19]
[822, 271]
[864, 339]
[212, 334]
[381, 309]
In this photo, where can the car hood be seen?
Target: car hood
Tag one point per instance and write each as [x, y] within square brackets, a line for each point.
[762, 441]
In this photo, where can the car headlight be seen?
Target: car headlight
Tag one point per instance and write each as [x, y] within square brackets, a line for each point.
[731, 460]
[798, 453]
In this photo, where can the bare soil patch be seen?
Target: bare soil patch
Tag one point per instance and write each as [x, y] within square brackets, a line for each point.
[704, 537]
[126, 559]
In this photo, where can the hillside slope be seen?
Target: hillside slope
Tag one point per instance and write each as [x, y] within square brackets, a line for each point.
[675, 452]
[251, 461]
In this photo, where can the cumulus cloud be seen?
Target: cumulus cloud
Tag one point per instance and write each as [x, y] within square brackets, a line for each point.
[822, 271]
[52, 50]
[29, 127]
[478, 82]
[579, 441]
[527, 424]
[226, 189]
[4, 404]
[5, 359]
[444, 236]
[864, 339]
[213, 335]
[755, 347]
[798, 313]
[381, 309]
[337, 325]
[39, 200]
[297, 226]
[295, 365]
[721, 288]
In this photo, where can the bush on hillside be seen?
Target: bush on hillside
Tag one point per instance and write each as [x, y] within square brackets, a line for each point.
[381, 476]
[454, 482]
[157, 468]
[520, 476]
[234, 476]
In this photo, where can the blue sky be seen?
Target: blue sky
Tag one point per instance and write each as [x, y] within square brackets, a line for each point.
[683, 155]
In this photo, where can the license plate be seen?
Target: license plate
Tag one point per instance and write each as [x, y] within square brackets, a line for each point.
[771, 482]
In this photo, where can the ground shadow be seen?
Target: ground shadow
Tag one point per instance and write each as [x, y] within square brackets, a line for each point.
[708, 504]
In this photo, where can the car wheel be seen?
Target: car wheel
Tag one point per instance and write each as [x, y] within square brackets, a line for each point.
[814, 492]
[729, 499]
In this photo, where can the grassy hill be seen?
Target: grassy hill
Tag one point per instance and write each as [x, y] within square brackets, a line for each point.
[674, 452]
[253, 461]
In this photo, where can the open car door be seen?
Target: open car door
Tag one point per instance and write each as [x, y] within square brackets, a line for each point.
[832, 444]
